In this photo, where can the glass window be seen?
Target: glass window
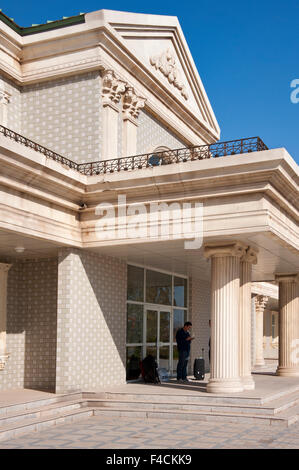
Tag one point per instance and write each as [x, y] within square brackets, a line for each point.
[164, 357]
[133, 362]
[158, 288]
[135, 283]
[135, 323]
[179, 318]
[164, 327]
[180, 292]
[151, 326]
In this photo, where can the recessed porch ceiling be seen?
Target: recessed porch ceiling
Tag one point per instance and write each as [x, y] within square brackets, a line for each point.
[167, 255]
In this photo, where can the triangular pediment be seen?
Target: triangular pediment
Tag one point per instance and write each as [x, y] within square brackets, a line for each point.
[160, 46]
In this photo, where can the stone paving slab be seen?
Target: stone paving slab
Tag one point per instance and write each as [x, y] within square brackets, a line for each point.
[102, 432]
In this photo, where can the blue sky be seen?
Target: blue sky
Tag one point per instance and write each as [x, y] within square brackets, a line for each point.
[246, 52]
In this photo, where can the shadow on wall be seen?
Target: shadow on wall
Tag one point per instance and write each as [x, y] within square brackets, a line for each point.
[32, 325]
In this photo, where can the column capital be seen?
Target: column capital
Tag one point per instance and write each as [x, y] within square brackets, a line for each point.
[4, 97]
[250, 256]
[112, 89]
[287, 277]
[234, 248]
[260, 302]
[132, 105]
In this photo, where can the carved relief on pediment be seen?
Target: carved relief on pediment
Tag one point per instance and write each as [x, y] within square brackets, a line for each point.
[166, 63]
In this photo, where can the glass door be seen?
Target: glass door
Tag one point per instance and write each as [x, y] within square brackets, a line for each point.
[157, 334]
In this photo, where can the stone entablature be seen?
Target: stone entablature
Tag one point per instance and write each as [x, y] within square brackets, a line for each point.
[265, 288]
[54, 195]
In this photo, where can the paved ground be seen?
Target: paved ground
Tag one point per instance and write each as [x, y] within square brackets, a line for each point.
[102, 432]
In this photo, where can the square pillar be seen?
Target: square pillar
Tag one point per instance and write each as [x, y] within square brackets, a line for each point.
[112, 90]
[4, 101]
[4, 268]
[131, 106]
[91, 321]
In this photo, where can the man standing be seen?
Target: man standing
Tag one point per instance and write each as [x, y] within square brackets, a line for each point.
[183, 340]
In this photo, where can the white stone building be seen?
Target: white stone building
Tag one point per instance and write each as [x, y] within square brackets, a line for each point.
[93, 109]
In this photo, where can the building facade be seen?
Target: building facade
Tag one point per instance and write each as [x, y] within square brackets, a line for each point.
[122, 215]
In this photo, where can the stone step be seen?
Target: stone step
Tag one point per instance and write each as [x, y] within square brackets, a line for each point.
[282, 419]
[37, 403]
[24, 426]
[40, 412]
[149, 404]
[160, 394]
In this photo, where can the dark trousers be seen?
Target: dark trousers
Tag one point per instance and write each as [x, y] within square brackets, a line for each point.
[182, 365]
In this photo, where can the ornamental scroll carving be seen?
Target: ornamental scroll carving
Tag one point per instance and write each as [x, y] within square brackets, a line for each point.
[132, 103]
[112, 88]
[166, 63]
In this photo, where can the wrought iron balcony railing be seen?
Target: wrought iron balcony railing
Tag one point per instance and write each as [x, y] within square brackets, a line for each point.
[148, 160]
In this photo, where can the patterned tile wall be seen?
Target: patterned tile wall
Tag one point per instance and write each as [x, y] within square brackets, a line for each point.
[200, 305]
[31, 326]
[91, 329]
[64, 115]
[151, 134]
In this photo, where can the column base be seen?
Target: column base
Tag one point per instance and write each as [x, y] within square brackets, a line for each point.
[287, 371]
[259, 364]
[225, 386]
[248, 382]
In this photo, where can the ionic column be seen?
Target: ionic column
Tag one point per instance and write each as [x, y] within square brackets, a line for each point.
[245, 318]
[4, 268]
[225, 288]
[288, 364]
[112, 90]
[260, 303]
[131, 106]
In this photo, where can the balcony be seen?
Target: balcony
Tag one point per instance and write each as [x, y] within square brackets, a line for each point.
[148, 160]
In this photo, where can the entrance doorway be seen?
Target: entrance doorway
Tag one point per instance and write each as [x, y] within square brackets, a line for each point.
[156, 308]
[158, 335]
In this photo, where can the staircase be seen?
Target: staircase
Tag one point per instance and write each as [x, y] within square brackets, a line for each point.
[281, 409]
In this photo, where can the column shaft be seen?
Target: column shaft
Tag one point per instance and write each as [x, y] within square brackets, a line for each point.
[245, 326]
[225, 285]
[288, 327]
[260, 302]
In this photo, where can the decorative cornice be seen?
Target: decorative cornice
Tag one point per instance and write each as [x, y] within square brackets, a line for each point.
[237, 249]
[166, 63]
[112, 88]
[260, 302]
[132, 104]
[288, 277]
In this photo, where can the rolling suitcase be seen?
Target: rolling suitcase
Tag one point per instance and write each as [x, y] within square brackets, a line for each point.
[199, 367]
